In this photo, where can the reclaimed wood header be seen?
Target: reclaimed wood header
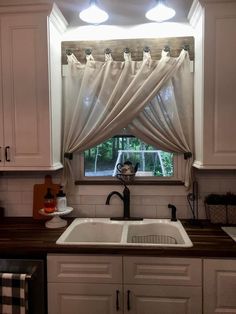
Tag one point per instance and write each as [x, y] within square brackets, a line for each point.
[136, 46]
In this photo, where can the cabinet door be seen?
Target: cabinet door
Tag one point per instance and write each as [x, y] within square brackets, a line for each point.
[72, 298]
[219, 286]
[25, 89]
[154, 299]
[215, 95]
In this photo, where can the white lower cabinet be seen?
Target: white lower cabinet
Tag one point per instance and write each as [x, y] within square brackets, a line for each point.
[219, 286]
[131, 285]
[71, 298]
[155, 285]
[80, 284]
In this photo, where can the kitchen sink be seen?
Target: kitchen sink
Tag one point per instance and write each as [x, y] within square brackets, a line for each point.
[103, 231]
[161, 232]
[93, 231]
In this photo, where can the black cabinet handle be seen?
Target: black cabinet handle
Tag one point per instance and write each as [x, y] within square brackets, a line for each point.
[0, 153]
[7, 148]
[128, 300]
[117, 300]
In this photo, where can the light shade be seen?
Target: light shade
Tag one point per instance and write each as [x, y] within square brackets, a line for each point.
[160, 12]
[93, 14]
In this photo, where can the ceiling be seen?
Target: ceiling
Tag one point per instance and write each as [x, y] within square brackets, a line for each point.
[122, 12]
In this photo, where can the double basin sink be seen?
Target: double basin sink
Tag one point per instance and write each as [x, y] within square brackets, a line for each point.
[103, 231]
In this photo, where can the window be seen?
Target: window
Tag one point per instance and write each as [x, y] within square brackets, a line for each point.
[100, 162]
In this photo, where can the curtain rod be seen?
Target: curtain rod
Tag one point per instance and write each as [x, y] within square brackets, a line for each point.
[88, 51]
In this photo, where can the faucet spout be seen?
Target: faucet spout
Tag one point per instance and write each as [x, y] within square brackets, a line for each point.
[111, 194]
[126, 201]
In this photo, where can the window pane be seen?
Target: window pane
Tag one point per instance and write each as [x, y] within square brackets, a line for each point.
[102, 159]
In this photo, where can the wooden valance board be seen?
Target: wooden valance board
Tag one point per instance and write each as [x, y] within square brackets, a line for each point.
[135, 46]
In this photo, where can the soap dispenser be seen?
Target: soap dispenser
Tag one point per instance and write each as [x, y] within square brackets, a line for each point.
[61, 200]
[49, 202]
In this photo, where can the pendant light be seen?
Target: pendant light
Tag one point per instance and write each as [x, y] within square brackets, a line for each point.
[93, 14]
[161, 12]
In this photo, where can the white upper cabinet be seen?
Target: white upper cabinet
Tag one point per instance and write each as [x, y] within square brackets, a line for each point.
[30, 87]
[215, 82]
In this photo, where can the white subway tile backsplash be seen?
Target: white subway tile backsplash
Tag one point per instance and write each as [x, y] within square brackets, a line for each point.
[3, 185]
[162, 190]
[103, 211]
[95, 199]
[16, 195]
[228, 186]
[13, 198]
[149, 200]
[136, 200]
[162, 211]
[83, 211]
[18, 210]
[179, 200]
[27, 198]
[98, 189]
[143, 211]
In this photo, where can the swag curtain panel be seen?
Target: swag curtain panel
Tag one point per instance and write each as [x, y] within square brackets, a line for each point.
[167, 121]
[101, 98]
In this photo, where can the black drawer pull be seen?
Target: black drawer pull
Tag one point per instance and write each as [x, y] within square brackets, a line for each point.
[117, 300]
[7, 148]
[128, 300]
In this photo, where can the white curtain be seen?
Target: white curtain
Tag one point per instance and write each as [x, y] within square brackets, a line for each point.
[101, 98]
[167, 120]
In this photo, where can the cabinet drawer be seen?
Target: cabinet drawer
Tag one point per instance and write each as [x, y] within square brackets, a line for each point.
[84, 268]
[163, 271]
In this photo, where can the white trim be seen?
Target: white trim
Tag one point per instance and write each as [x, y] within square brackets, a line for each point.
[195, 13]
[58, 19]
[199, 165]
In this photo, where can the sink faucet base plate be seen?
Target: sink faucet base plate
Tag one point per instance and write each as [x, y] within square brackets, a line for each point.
[126, 218]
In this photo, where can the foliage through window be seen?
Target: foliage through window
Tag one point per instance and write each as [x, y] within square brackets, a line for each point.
[101, 161]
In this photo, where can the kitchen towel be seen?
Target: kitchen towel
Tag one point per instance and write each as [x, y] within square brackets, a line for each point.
[13, 293]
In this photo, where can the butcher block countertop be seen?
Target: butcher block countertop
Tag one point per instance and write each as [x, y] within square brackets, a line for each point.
[26, 237]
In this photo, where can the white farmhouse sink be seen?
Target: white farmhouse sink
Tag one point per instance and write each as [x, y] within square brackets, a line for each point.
[103, 231]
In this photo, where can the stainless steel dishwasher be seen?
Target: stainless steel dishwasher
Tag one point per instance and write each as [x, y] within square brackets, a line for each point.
[36, 280]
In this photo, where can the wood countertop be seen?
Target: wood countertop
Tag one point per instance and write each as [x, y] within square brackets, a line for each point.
[26, 237]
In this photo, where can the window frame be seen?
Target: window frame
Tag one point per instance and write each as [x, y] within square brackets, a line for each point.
[177, 178]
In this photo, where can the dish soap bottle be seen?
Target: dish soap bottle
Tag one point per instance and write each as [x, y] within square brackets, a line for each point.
[49, 202]
[61, 200]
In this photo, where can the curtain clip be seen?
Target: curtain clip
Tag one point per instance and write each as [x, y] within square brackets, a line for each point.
[107, 51]
[146, 49]
[88, 51]
[68, 156]
[68, 52]
[188, 155]
[186, 47]
[167, 48]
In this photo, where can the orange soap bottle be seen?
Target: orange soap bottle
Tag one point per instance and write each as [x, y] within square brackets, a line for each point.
[49, 202]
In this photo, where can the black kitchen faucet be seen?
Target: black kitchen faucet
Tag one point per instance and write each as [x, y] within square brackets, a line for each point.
[126, 201]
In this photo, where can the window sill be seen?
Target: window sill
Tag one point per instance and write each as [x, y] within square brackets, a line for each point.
[137, 182]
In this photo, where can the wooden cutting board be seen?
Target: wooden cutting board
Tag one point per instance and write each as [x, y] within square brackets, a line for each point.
[39, 192]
